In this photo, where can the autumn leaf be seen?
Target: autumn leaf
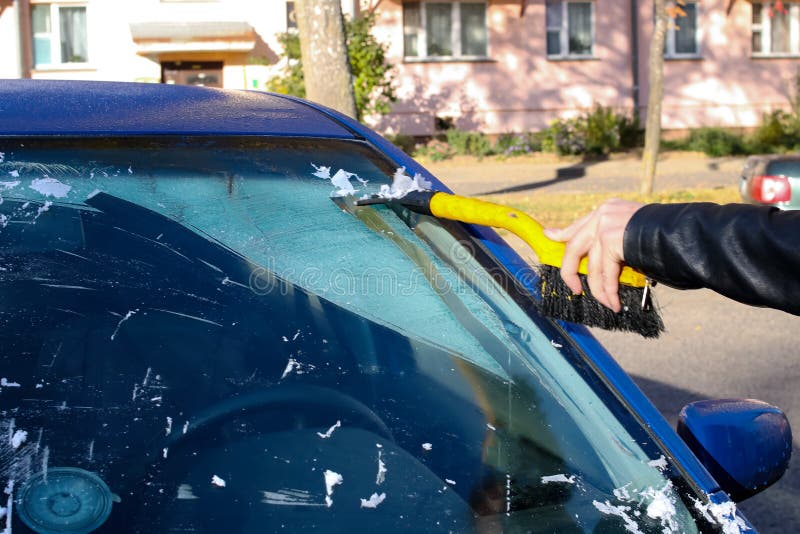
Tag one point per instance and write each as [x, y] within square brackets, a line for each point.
[675, 12]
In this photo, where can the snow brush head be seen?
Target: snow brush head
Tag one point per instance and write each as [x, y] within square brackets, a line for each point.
[638, 314]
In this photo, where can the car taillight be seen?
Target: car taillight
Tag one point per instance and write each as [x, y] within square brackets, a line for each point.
[769, 189]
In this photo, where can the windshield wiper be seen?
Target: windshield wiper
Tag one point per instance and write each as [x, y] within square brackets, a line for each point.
[373, 220]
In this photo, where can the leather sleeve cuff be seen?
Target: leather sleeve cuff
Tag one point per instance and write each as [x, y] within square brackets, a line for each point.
[745, 252]
[658, 241]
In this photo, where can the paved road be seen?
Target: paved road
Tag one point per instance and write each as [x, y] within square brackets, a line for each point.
[717, 348]
[619, 174]
[714, 347]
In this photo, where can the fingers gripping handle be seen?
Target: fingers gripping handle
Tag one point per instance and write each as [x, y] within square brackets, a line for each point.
[473, 211]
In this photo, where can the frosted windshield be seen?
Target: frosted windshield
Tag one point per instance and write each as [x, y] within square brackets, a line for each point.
[196, 324]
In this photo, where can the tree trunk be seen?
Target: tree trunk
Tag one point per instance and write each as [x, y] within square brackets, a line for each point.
[322, 46]
[652, 133]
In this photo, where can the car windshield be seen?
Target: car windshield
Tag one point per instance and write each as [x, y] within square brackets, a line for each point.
[194, 336]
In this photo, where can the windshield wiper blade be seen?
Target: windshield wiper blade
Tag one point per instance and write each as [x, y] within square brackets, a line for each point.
[375, 222]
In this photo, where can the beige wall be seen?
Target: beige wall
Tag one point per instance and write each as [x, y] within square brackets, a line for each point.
[9, 42]
[113, 53]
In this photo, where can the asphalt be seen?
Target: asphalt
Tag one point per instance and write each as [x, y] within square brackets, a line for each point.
[713, 347]
[472, 177]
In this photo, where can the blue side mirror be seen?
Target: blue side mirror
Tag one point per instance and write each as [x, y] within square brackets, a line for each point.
[745, 444]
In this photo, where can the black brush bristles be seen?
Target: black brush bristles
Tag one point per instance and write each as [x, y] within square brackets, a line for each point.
[639, 313]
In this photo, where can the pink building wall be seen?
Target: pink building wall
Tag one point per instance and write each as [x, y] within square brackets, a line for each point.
[727, 86]
[520, 89]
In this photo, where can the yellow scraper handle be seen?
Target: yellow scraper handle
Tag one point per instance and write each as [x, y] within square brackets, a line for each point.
[549, 252]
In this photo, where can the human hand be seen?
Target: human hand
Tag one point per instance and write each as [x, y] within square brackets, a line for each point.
[598, 235]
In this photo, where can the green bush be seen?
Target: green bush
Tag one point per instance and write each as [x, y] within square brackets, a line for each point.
[291, 81]
[675, 144]
[511, 144]
[435, 150]
[598, 132]
[779, 131]
[565, 137]
[468, 143]
[373, 75]
[631, 133]
[535, 140]
[602, 131]
[406, 143]
[716, 142]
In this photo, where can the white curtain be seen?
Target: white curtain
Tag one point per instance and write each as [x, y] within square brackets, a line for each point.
[411, 28]
[439, 25]
[73, 35]
[780, 30]
[579, 22]
[473, 29]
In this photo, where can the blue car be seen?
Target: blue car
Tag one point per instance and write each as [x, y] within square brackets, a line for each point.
[194, 337]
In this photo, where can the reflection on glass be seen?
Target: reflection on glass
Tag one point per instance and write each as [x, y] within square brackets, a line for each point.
[779, 32]
[439, 27]
[72, 21]
[579, 17]
[197, 324]
[473, 29]
[40, 20]
[686, 31]
[412, 24]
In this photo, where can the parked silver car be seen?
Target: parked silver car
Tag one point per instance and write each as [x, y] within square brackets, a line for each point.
[772, 180]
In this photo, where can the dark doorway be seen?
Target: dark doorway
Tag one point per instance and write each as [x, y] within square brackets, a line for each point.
[205, 73]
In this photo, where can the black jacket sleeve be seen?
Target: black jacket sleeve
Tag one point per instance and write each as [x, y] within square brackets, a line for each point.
[748, 253]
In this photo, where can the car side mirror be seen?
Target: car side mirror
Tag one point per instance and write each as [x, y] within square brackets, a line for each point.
[745, 444]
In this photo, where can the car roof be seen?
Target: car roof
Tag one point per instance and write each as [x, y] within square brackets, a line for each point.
[82, 108]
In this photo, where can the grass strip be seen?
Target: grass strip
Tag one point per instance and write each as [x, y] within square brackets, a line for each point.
[561, 209]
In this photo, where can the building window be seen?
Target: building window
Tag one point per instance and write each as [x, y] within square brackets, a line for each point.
[59, 34]
[681, 39]
[291, 16]
[776, 32]
[200, 73]
[445, 30]
[570, 29]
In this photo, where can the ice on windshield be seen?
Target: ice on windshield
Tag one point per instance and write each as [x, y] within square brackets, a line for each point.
[144, 299]
[723, 514]
[302, 237]
[402, 184]
[340, 180]
[50, 187]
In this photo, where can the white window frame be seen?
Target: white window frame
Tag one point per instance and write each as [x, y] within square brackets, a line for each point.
[54, 35]
[669, 42]
[563, 30]
[455, 33]
[765, 27]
